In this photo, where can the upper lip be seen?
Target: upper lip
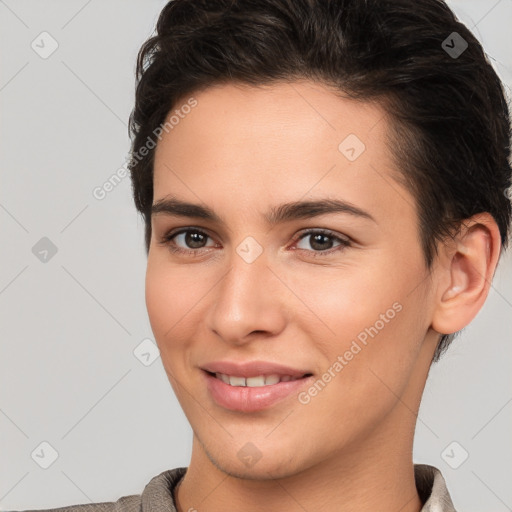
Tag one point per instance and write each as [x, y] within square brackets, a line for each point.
[252, 369]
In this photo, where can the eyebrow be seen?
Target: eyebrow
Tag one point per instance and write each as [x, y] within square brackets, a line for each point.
[282, 213]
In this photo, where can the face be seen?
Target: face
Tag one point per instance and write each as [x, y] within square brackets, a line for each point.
[301, 251]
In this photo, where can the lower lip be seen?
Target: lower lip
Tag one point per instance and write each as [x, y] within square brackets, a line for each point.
[250, 399]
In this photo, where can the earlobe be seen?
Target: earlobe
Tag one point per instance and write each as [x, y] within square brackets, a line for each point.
[465, 280]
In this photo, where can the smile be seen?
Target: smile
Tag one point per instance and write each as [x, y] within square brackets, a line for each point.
[251, 394]
[252, 382]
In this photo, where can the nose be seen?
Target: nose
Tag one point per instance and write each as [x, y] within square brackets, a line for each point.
[248, 303]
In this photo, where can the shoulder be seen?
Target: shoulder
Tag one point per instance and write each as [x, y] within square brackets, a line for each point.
[156, 496]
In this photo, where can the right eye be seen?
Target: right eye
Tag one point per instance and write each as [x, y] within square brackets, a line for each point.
[186, 241]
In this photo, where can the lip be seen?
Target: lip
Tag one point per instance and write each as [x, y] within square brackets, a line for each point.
[252, 369]
[252, 399]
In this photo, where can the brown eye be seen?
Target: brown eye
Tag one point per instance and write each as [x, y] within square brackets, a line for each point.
[187, 241]
[321, 241]
[194, 239]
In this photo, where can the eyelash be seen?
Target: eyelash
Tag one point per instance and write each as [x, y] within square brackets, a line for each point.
[167, 240]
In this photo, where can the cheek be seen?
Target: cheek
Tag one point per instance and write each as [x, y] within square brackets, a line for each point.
[168, 300]
[347, 300]
[159, 298]
[365, 371]
[169, 297]
[375, 324]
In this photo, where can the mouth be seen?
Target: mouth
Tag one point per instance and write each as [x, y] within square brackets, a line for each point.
[255, 393]
[256, 381]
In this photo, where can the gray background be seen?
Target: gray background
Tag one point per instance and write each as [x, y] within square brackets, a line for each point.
[69, 327]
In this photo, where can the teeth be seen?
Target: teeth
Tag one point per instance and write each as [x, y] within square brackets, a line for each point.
[274, 379]
[223, 377]
[251, 382]
[237, 381]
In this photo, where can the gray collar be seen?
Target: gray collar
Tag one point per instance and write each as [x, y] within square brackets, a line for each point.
[432, 489]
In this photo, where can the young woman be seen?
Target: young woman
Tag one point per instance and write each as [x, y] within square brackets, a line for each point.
[324, 189]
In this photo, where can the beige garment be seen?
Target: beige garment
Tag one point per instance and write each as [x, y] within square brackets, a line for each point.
[157, 495]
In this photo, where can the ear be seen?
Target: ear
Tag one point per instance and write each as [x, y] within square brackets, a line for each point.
[466, 267]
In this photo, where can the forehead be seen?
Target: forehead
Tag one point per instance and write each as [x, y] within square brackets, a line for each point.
[253, 145]
[281, 113]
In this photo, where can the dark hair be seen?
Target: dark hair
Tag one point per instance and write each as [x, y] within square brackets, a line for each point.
[450, 128]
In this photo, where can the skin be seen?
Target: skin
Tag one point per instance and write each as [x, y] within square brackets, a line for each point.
[241, 151]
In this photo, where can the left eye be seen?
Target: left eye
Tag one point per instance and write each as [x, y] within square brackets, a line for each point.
[320, 241]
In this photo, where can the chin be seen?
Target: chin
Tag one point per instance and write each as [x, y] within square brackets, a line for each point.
[268, 470]
[250, 463]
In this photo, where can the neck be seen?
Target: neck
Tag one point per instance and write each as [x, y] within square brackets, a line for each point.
[371, 476]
